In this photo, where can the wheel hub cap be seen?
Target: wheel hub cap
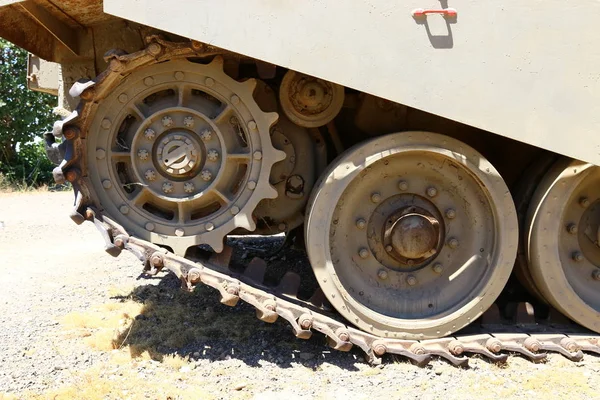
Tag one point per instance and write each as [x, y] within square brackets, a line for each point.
[178, 154]
[412, 237]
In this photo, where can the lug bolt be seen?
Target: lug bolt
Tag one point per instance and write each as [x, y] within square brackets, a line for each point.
[179, 75]
[106, 123]
[179, 232]
[363, 253]
[234, 99]
[150, 226]
[100, 154]
[235, 210]
[411, 280]
[123, 98]
[596, 275]
[206, 135]
[209, 81]
[150, 175]
[107, 184]
[257, 155]
[572, 228]
[453, 243]
[376, 197]
[143, 154]
[206, 175]
[382, 274]
[577, 256]
[212, 155]
[403, 185]
[188, 122]
[167, 121]
[210, 226]
[124, 209]
[431, 191]
[251, 185]
[188, 187]
[167, 187]
[149, 134]
[438, 268]
[584, 202]
[361, 223]
[148, 81]
[252, 125]
[451, 213]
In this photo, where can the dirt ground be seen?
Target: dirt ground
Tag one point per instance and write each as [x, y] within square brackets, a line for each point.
[77, 323]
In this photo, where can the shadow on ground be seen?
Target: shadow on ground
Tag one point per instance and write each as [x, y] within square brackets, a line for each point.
[198, 326]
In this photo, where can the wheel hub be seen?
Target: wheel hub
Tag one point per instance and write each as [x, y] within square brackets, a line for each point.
[412, 236]
[178, 154]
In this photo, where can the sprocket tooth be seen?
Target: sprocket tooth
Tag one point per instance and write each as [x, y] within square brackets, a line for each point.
[289, 284]
[250, 84]
[218, 61]
[256, 270]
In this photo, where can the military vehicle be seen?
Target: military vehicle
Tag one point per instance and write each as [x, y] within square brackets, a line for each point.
[436, 160]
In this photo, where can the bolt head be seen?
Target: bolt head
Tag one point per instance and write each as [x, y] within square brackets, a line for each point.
[584, 202]
[235, 210]
[376, 197]
[210, 226]
[179, 232]
[209, 82]
[382, 274]
[403, 185]
[150, 226]
[179, 75]
[148, 81]
[150, 175]
[167, 187]
[257, 155]
[251, 185]
[188, 122]
[411, 280]
[252, 125]
[154, 49]
[124, 209]
[149, 134]
[107, 184]
[596, 275]
[123, 98]
[572, 229]
[212, 155]
[188, 187]
[361, 223]
[282, 227]
[206, 175]
[167, 121]
[363, 253]
[438, 268]
[143, 154]
[100, 154]
[389, 248]
[234, 99]
[431, 191]
[206, 135]
[577, 256]
[451, 213]
[106, 123]
[453, 243]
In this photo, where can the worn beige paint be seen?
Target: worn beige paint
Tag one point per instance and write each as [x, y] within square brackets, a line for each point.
[527, 70]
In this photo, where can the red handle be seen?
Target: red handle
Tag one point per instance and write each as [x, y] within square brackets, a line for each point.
[422, 13]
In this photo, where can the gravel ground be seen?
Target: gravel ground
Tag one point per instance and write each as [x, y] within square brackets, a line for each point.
[55, 275]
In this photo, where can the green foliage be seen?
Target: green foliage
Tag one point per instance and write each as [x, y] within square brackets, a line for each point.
[24, 116]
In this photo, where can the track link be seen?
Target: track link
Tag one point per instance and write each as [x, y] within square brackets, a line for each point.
[492, 338]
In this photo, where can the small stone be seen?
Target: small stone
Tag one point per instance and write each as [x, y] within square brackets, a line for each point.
[239, 386]
[196, 354]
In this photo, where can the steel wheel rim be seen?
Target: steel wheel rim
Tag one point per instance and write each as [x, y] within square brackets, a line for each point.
[327, 263]
[562, 232]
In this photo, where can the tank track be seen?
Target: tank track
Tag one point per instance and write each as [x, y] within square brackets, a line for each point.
[492, 336]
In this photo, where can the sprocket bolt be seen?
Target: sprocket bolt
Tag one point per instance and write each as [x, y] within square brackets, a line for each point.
[143, 154]
[150, 175]
[234, 99]
[577, 256]
[100, 154]
[252, 125]
[235, 210]
[403, 185]
[106, 123]
[206, 175]
[167, 187]
[150, 226]
[212, 155]
[363, 253]
[572, 229]
[438, 268]
[149, 134]
[179, 232]
[188, 187]
[206, 135]
[167, 121]
[453, 243]
[431, 191]
[411, 280]
[209, 82]
[382, 274]
[124, 209]
[107, 184]
[361, 223]
[210, 226]
[451, 213]
[188, 122]
[251, 185]
[123, 98]
[257, 155]
[376, 197]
